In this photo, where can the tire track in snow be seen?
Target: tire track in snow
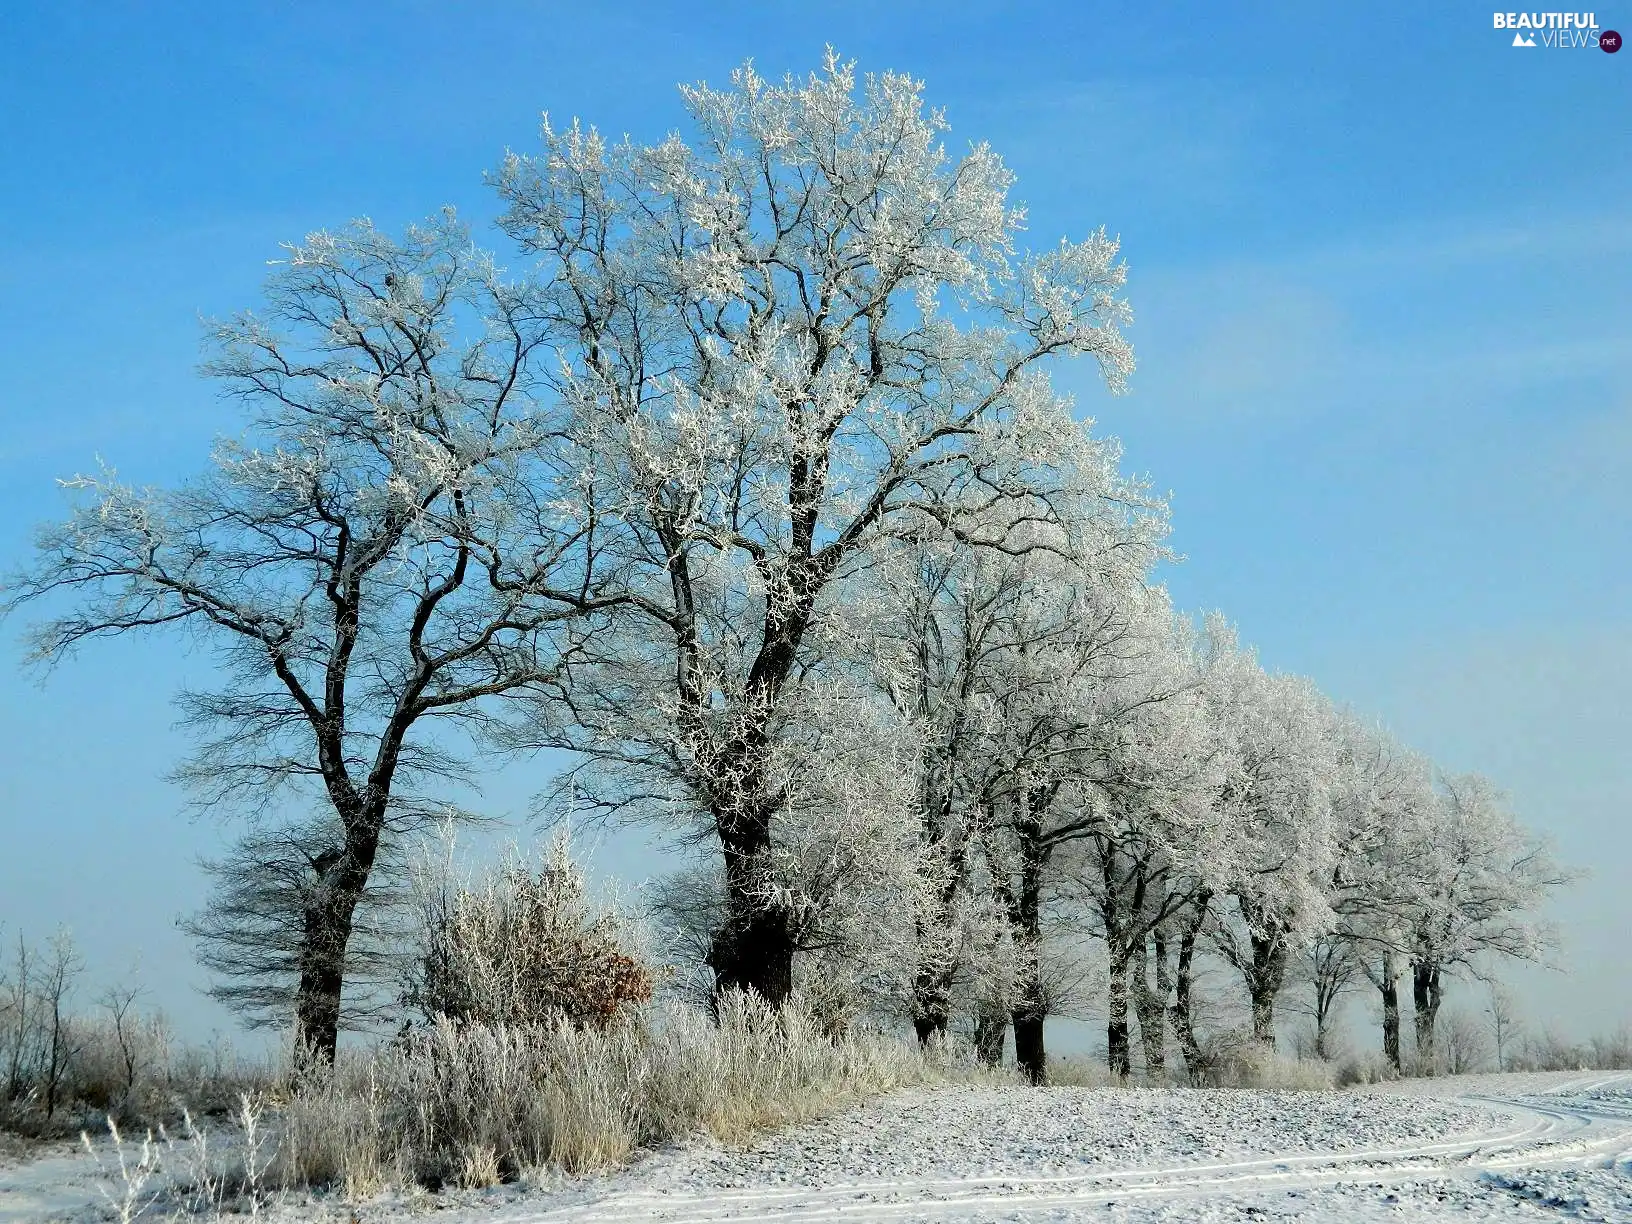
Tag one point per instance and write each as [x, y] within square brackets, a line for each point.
[1576, 1131]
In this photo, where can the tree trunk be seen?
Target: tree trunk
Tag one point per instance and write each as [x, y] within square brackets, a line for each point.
[330, 908]
[932, 998]
[1029, 1051]
[1030, 1054]
[929, 1029]
[1390, 989]
[1323, 1021]
[991, 1024]
[1264, 979]
[1151, 1005]
[753, 949]
[1182, 1011]
[1117, 1055]
[1425, 999]
[932, 984]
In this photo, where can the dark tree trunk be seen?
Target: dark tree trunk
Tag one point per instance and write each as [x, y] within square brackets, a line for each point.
[1324, 1003]
[1390, 990]
[1151, 1004]
[1117, 1056]
[330, 910]
[1264, 975]
[991, 1024]
[753, 952]
[932, 983]
[1030, 1054]
[1182, 1012]
[1425, 999]
[754, 948]
[929, 1028]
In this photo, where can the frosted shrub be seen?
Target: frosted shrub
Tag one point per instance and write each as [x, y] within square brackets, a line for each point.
[1368, 1067]
[1235, 1060]
[522, 946]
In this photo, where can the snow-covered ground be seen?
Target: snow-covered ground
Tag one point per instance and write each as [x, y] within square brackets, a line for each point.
[1532, 1147]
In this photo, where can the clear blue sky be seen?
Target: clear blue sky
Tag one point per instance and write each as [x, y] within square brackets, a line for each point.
[1381, 262]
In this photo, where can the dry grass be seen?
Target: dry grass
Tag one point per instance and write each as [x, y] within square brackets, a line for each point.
[141, 1078]
[1075, 1072]
[473, 1105]
[1234, 1060]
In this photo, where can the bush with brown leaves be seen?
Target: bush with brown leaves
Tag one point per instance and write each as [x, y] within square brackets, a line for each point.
[523, 945]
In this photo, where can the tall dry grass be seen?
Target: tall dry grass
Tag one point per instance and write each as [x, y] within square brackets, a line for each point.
[1232, 1059]
[473, 1105]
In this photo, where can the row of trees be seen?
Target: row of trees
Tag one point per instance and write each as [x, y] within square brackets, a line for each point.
[753, 490]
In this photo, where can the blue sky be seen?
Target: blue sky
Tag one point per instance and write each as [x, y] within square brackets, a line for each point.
[1381, 263]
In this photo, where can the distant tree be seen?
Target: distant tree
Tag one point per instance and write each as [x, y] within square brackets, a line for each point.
[62, 1040]
[1331, 970]
[1461, 1045]
[1277, 801]
[1481, 880]
[378, 557]
[1382, 802]
[17, 1014]
[1506, 1026]
[266, 913]
[119, 1002]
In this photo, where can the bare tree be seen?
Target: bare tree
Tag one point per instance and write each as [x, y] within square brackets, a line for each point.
[16, 997]
[119, 1002]
[1482, 879]
[1331, 970]
[55, 982]
[1461, 1045]
[266, 912]
[379, 557]
[1506, 1026]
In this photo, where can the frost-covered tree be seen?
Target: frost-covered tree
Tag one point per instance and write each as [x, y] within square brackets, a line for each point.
[1329, 969]
[802, 331]
[1081, 737]
[1277, 802]
[1145, 834]
[1382, 801]
[1482, 878]
[375, 556]
[950, 614]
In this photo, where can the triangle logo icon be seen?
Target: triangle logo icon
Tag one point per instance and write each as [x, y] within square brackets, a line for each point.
[1519, 40]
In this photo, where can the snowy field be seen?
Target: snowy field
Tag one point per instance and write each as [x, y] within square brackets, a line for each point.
[1511, 1147]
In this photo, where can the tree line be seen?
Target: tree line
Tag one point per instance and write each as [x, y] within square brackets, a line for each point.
[751, 487]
